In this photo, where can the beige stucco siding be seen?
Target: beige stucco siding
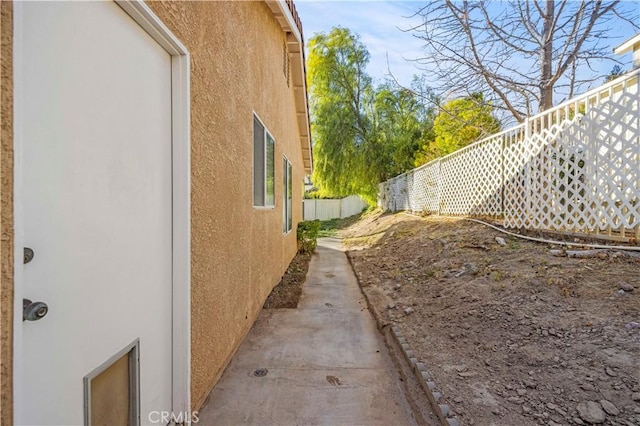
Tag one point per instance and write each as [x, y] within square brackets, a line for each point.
[238, 253]
[6, 212]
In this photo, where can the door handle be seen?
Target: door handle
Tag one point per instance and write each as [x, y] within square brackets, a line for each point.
[33, 311]
[28, 255]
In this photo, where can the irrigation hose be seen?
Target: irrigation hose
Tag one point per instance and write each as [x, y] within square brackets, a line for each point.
[542, 240]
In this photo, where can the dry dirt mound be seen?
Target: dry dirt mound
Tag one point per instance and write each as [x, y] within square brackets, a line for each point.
[511, 334]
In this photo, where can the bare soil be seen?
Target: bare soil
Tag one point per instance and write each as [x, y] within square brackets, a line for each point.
[511, 334]
[287, 293]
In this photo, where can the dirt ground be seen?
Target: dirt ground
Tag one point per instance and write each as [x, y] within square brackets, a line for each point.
[287, 293]
[511, 334]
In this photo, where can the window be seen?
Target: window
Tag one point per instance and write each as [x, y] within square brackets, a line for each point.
[287, 194]
[263, 166]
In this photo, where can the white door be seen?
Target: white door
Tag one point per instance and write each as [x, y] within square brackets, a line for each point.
[95, 132]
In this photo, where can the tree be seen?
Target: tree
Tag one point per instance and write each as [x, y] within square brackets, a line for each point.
[519, 52]
[401, 121]
[341, 96]
[615, 72]
[363, 135]
[459, 123]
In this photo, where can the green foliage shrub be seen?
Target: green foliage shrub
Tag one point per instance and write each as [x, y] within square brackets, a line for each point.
[308, 236]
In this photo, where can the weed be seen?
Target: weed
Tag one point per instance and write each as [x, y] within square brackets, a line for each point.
[497, 275]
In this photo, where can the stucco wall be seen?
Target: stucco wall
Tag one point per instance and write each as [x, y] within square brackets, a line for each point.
[6, 212]
[238, 253]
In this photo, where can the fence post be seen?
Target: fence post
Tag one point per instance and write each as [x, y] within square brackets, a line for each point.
[502, 179]
[439, 181]
[527, 175]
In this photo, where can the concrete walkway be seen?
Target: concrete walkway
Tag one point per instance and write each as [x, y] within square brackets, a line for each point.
[326, 361]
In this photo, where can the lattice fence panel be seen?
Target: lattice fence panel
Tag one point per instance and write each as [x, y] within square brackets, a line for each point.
[515, 156]
[472, 180]
[614, 153]
[424, 188]
[401, 191]
[394, 194]
[574, 168]
[556, 177]
[384, 195]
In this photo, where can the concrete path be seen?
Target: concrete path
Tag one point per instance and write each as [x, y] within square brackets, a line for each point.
[326, 361]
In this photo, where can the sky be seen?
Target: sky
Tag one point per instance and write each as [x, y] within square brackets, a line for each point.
[379, 25]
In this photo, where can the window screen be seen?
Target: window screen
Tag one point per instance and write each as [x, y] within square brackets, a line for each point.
[287, 196]
[270, 196]
[258, 163]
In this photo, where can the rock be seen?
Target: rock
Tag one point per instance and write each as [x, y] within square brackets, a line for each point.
[621, 292]
[610, 372]
[626, 286]
[391, 305]
[521, 392]
[578, 421]
[609, 407]
[451, 273]
[501, 241]
[470, 268]
[587, 387]
[635, 396]
[397, 287]
[591, 412]
[408, 311]
[530, 384]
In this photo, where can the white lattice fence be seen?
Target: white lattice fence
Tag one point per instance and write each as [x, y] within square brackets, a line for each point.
[573, 168]
[556, 176]
[472, 180]
[515, 154]
[424, 188]
[614, 132]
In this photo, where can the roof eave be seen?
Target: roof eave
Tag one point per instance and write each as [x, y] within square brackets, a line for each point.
[628, 45]
[284, 11]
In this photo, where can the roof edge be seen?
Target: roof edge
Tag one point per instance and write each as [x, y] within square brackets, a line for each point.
[286, 14]
[627, 45]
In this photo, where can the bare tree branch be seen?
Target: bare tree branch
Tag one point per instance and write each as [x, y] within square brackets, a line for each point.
[518, 53]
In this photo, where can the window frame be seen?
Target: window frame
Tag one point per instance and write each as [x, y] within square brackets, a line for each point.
[266, 134]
